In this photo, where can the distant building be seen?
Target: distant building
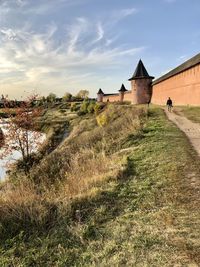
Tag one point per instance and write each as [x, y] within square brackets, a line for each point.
[181, 84]
[141, 88]
[141, 85]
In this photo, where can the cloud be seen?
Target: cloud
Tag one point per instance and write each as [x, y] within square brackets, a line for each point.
[74, 32]
[123, 13]
[184, 58]
[49, 6]
[30, 7]
[36, 58]
[8, 34]
[100, 33]
[127, 12]
[21, 3]
[12, 3]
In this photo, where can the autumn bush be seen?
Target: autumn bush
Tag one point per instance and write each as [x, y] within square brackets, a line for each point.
[74, 106]
[91, 106]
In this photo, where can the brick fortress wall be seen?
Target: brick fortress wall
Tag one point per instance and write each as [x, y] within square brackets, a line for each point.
[181, 84]
[116, 98]
[141, 91]
[183, 88]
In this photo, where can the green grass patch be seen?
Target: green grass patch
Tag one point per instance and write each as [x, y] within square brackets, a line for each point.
[145, 215]
[192, 113]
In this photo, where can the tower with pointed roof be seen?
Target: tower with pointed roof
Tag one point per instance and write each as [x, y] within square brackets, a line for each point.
[100, 95]
[122, 91]
[141, 85]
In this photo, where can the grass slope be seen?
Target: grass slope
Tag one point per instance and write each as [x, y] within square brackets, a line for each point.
[143, 212]
[192, 113]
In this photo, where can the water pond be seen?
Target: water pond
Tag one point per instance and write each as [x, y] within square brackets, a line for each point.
[14, 155]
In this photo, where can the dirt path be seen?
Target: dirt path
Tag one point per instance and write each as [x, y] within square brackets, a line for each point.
[191, 129]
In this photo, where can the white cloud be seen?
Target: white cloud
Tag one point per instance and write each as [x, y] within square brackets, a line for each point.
[100, 32]
[182, 57]
[9, 34]
[127, 12]
[13, 3]
[48, 6]
[31, 58]
[123, 13]
[74, 32]
[21, 2]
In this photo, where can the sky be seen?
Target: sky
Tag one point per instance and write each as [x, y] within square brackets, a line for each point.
[64, 46]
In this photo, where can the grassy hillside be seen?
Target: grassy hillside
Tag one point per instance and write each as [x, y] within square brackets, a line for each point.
[121, 190]
[190, 112]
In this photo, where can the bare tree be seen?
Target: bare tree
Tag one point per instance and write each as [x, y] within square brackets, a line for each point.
[20, 132]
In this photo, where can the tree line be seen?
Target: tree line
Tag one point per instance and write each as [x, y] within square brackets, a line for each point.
[67, 97]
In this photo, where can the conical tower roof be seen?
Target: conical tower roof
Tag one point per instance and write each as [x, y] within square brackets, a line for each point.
[140, 72]
[123, 89]
[100, 92]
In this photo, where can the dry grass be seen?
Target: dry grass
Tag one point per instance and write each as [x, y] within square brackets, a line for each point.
[87, 135]
[22, 207]
[86, 170]
[117, 195]
[192, 113]
[77, 169]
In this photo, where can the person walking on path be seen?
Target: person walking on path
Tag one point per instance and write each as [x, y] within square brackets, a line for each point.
[169, 104]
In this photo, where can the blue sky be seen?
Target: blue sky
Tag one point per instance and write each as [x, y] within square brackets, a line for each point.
[66, 45]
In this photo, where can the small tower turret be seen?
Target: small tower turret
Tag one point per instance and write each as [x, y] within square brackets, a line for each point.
[100, 95]
[141, 85]
[122, 90]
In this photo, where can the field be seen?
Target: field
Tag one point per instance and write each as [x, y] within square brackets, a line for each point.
[192, 113]
[121, 190]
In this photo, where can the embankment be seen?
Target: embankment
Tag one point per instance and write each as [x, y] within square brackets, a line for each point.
[114, 193]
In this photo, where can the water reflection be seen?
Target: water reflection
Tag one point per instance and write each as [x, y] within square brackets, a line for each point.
[13, 156]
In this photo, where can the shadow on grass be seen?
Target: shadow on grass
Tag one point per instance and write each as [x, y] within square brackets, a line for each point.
[133, 139]
[81, 211]
[112, 200]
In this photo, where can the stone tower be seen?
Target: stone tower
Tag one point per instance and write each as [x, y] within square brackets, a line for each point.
[100, 95]
[141, 85]
[122, 90]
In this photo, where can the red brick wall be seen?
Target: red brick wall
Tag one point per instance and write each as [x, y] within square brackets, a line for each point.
[116, 98]
[112, 98]
[141, 91]
[183, 88]
[128, 96]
